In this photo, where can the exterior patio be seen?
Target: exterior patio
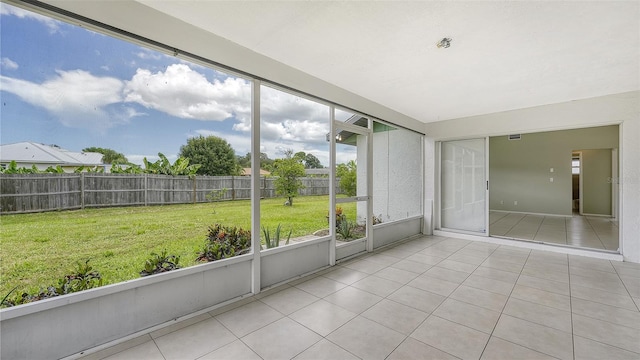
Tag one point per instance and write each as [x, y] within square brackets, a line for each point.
[427, 298]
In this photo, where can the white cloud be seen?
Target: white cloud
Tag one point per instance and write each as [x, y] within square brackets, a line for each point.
[148, 54]
[51, 24]
[8, 64]
[77, 98]
[185, 93]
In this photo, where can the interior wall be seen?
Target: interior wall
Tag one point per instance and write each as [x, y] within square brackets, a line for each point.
[623, 109]
[596, 181]
[521, 171]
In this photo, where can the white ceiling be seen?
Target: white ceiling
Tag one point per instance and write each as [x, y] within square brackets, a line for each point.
[504, 55]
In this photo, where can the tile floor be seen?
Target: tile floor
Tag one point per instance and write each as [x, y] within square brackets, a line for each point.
[583, 231]
[428, 298]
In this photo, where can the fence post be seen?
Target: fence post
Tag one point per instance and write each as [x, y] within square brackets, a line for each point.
[82, 190]
[233, 187]
[194, 189]
[145, 189]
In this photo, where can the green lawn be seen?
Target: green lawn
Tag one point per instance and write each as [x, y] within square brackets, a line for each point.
[37, 249]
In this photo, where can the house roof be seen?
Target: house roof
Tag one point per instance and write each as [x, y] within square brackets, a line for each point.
[247, 172]
[34, 153]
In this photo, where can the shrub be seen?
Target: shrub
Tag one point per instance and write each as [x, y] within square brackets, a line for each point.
[225, 242]
[83, 279]
[160, 263]
[345, 229]
[273, 242]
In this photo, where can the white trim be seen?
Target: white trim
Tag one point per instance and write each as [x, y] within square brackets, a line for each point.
[530, 213]
[297, 245]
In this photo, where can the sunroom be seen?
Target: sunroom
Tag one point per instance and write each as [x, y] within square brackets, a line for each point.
[496, 188]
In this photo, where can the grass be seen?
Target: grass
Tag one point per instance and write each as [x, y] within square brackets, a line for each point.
[37, 249]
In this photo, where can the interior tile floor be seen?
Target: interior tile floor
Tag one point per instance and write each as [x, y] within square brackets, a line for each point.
[582, 231]
[428, 298]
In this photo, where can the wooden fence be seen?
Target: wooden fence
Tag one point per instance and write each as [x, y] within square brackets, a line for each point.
[25, 193]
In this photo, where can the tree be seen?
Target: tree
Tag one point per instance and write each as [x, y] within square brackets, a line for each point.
[214, 154]
[265, 162]
[348, 178]
[309, 160]
[109, 156]
[288, 171]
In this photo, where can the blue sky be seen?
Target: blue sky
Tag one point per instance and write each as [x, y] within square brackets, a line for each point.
[62, 84]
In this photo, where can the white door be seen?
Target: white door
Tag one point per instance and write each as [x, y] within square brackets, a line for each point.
[463, 186]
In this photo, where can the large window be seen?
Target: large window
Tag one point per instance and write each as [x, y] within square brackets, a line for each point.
[294, 159]
[69, 94]
[397, 173]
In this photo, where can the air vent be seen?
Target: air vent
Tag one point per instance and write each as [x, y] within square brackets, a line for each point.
[515, 137]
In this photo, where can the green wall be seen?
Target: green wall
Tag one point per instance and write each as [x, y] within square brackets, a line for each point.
[520, 170]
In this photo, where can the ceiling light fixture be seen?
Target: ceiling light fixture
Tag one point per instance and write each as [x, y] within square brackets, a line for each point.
[444, 43]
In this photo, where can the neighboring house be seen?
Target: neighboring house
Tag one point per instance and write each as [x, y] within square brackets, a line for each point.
[26, 154]
[247, 172]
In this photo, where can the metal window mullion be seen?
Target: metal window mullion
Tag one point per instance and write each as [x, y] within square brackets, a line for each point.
[255, 186]
[332, 186]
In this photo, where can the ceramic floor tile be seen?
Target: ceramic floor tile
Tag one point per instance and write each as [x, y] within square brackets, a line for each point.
[352, 299]
[377, 285]
[541, 297]
[603, 297]
[365, 266]
[604, 312]
[498, 349]
[482, 298]
[496, 274]
[539, 314]
[395, 316]
[452, 338]
[557, 287]
[322, 317]
[282, 339]
[115, 349]
[145, 351]
[237, 350]
[398, 253]
[426, 259]
[632, 284]
[500, 264]
[321, 286]
[180, 325]
[468, 315]
[381, 258]
[412, 266]
[345, 275]
[457, 265]
[547, 274]
[289, 300]
[627, 270]
[325, 350]
[248, 318]
[605, 332]
[416, 350]
[195, 341]
[536, 337]
[613, 286]
[366, 339]
[469, 258]
[488, 284]
[431, 284]
[447, 274]
[397, 275]
[418, 299]
[586, 349]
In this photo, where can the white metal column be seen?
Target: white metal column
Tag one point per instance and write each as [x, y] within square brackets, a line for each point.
[255, 186]
[332, 185]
